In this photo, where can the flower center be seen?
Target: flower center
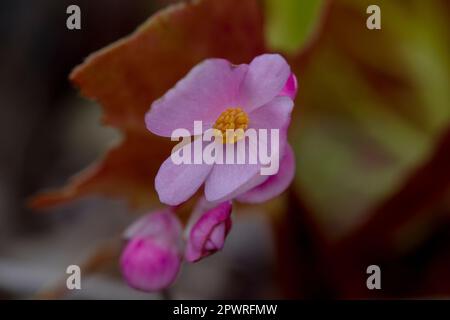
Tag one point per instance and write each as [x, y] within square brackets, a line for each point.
[231, 119]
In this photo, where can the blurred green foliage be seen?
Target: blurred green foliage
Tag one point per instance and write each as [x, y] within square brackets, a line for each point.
[371, 107]
[291, 22]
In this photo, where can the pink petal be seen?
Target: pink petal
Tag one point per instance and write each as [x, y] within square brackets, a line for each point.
[290, 88]
[274, 115]
[207, 231]
[158, 224]
[203, 94]
[217, 237]
[267, 74]
[229, 180]
[275, 184]
[177, 183]
[149, 265]
[151, 259]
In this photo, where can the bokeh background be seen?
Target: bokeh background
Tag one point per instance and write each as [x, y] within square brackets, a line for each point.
[371, 132]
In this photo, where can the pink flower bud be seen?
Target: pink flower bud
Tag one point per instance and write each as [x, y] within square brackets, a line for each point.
[152, 258]
[291, 87]
[207, 231]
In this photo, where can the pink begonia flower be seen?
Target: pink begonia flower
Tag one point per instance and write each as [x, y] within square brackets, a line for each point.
[207, 229]
[263, 90]
[152, 257]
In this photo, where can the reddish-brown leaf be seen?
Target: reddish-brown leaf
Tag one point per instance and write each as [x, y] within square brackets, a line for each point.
[128, 75]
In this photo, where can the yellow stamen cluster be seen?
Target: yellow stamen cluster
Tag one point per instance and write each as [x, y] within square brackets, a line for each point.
[231, 119]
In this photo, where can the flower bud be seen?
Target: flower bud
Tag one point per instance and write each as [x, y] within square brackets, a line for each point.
[208, 230]
[290, 88]
[152, 258]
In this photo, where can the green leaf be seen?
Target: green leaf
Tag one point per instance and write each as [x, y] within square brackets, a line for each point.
[371, 108]
[290, 23]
